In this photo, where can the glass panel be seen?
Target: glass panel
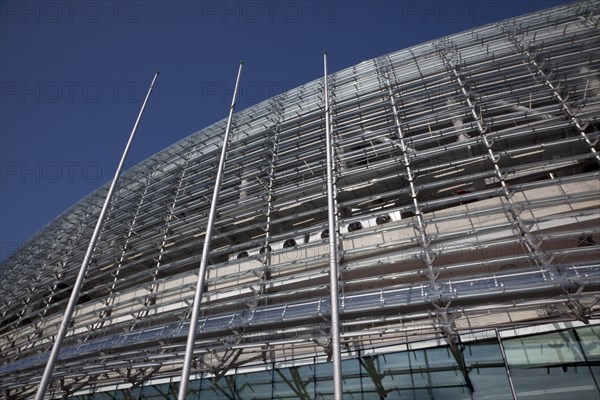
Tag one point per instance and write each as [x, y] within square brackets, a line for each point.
[356, 378]
[487, 353]
[102, 396]
[281, 388]
[490, 383]
[398, 380]
[288, 381]
[256, 385]
[454, 393]
[193, 390]
[486, 370]
[590, 341]
[394, 362]
[324, 381]
[416, 394]
[549, 367]
[128, 394]
[445, 378]
[434, 367]
[409, 372]
[440, 357]
[156, 392]
[551, 348]
[221, 389]
[554, 383]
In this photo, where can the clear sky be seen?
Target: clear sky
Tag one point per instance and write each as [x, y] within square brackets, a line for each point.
[73, 75]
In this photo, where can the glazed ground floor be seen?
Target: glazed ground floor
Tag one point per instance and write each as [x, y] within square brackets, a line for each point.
[552, 361]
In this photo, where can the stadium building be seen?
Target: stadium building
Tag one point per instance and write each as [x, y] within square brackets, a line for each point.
[467, 205]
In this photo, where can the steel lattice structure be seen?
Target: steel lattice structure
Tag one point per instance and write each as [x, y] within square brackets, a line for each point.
[466, 199]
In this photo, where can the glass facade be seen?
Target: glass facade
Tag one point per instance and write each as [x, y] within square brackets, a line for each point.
[554, 365]
[558, 365]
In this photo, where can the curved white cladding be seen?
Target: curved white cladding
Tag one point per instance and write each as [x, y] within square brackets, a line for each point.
[467, 192]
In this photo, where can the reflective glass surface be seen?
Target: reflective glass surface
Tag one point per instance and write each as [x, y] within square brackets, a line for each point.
[550, 366]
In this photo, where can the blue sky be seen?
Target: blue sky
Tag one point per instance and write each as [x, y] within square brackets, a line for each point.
[73, 75]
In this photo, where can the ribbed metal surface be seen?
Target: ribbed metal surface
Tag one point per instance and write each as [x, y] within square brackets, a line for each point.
[467, 189]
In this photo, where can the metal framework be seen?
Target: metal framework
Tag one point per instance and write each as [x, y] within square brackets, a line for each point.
[466, 180]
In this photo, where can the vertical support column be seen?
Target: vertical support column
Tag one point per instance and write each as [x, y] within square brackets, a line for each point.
[189, 348]
[64, 326]
[333, 249]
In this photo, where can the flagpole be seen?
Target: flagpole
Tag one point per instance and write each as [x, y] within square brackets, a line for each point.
[333, 253]
[189, 348]
[66, 321]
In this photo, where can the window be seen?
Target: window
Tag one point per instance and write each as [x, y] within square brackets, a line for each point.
[383, 219]
[354, 226]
